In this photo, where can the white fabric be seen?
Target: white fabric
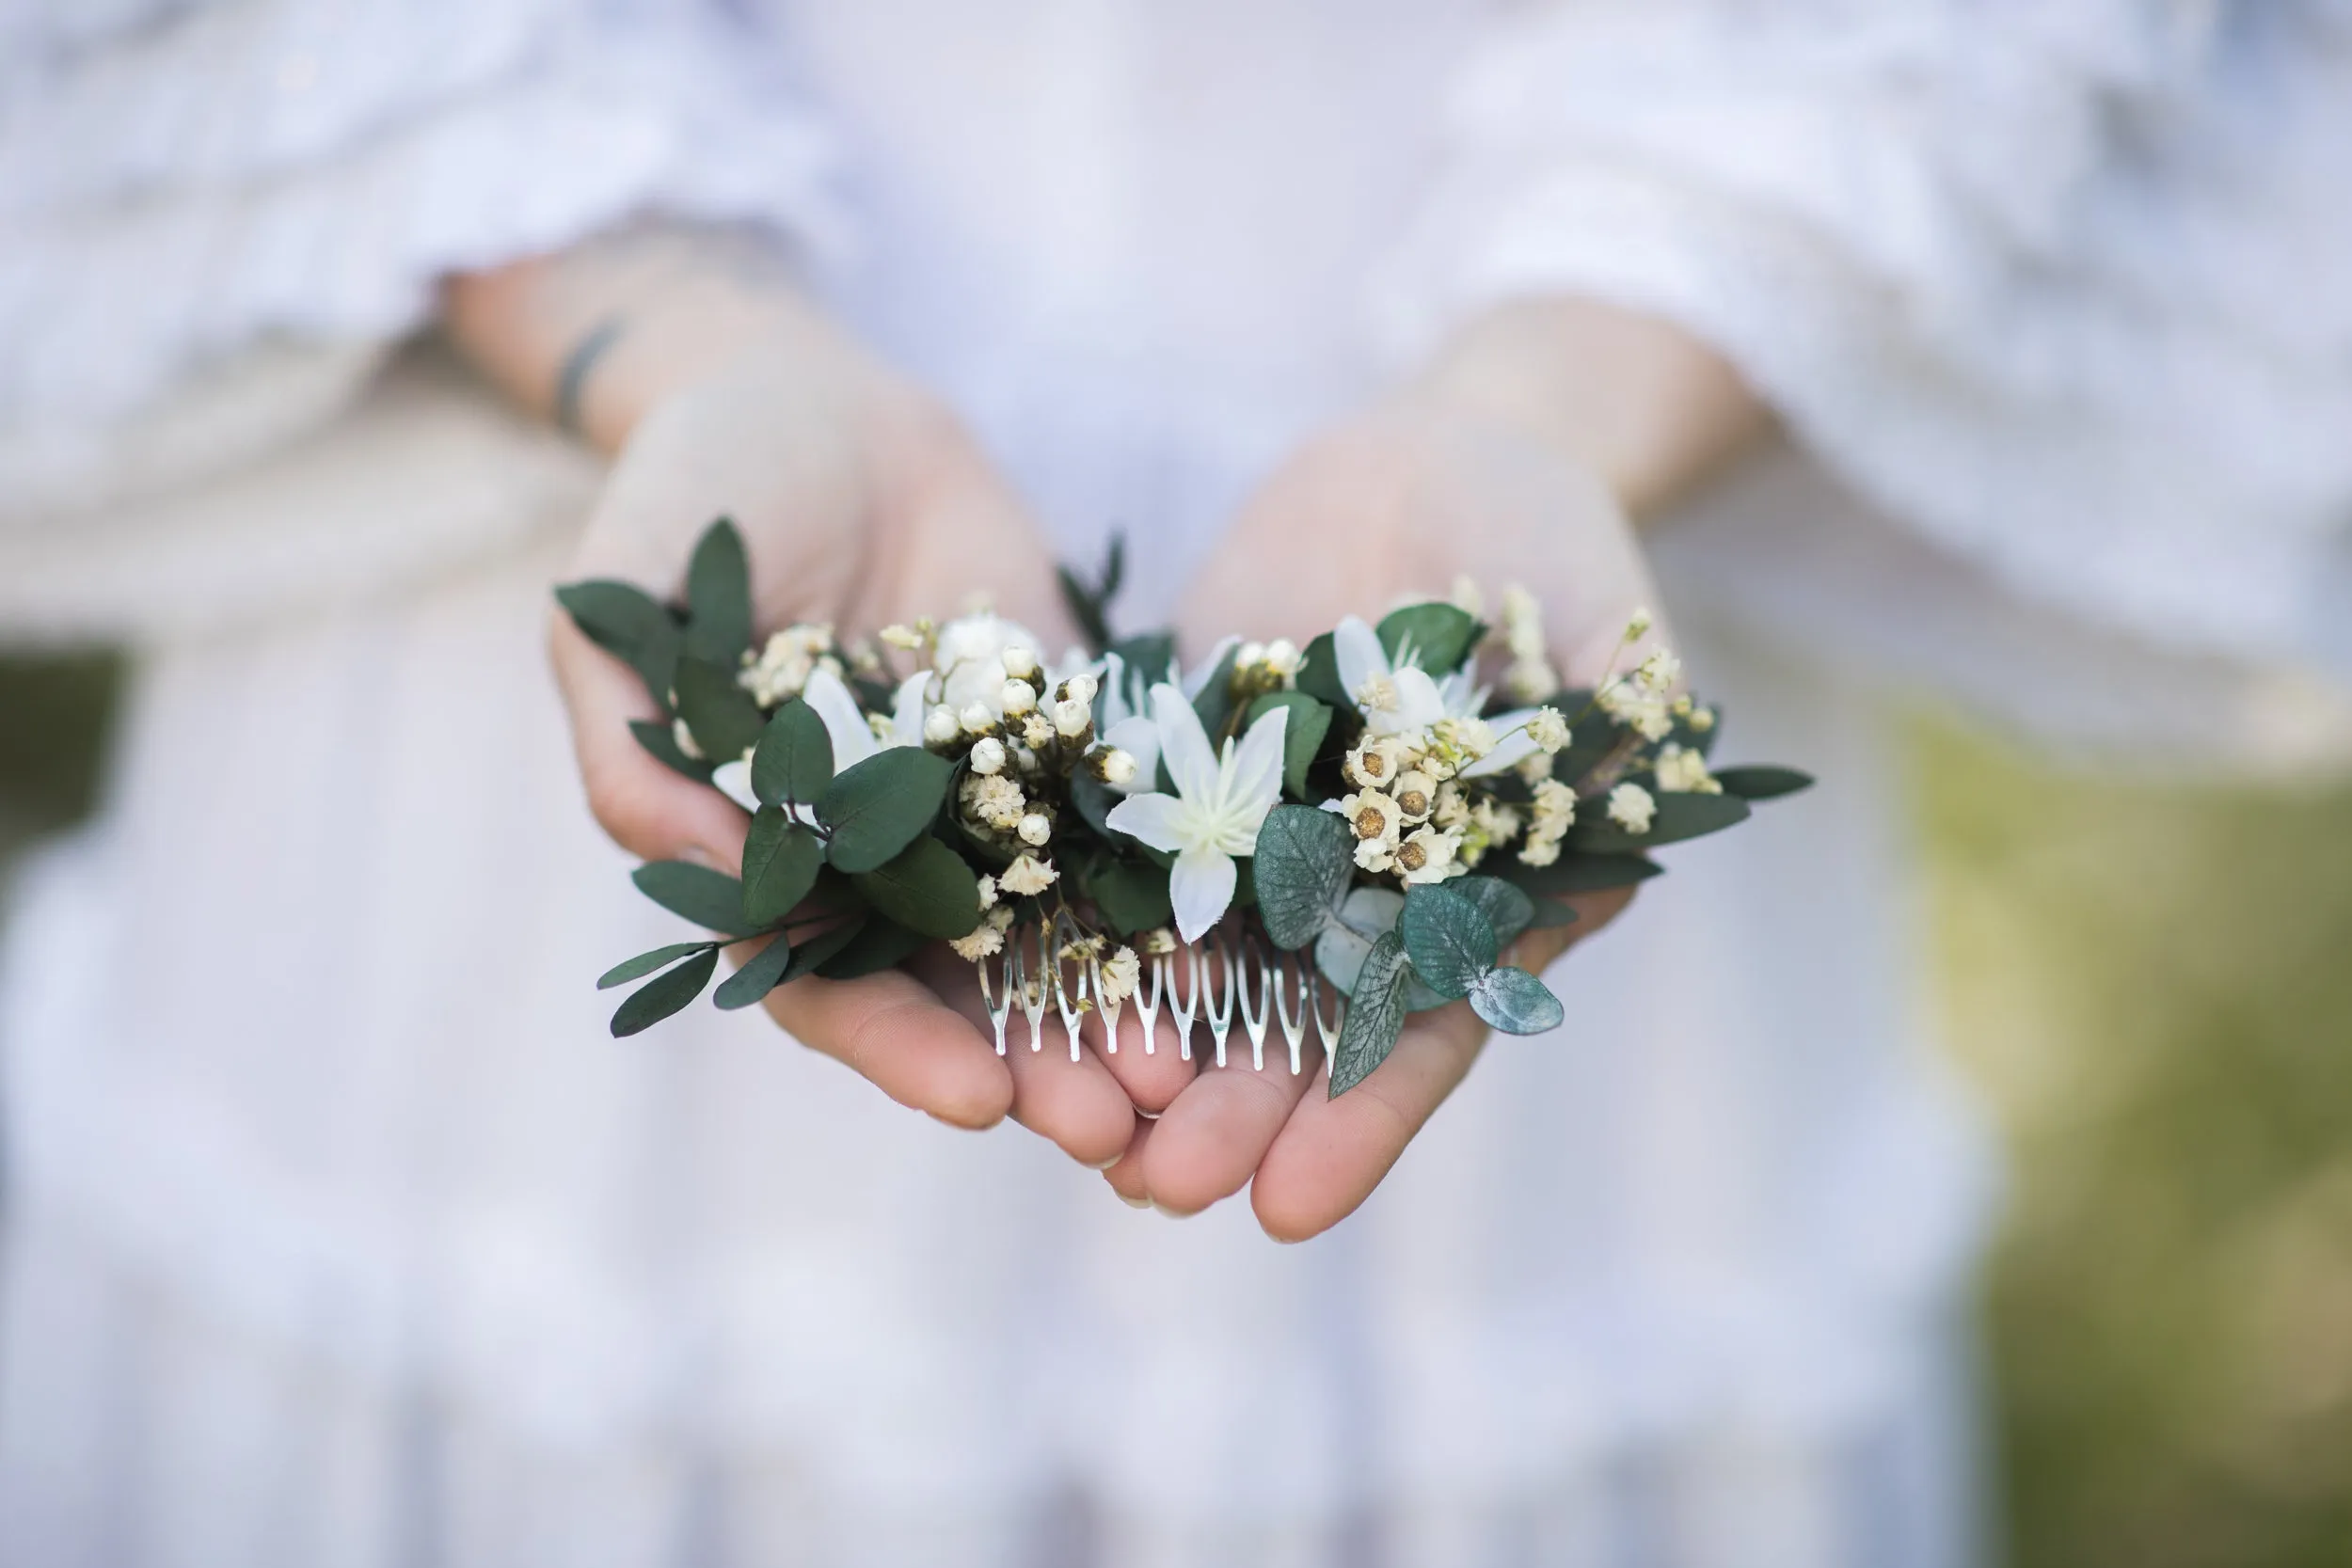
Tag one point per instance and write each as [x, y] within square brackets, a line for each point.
[343, 1234]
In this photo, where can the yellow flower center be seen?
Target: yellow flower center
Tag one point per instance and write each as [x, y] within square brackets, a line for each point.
[1412, 857]
[1368, 823]
[1413, 802]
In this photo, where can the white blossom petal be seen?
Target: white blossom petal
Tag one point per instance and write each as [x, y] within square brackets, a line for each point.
[1155, 819]
[1356, 647]
[1514, 745]
[735, 777]
[1254, 783]
[1200, 886]
[1184, 745]
[1140, 739]
[1198, 681]
[908, 707]
[845, 723]
[1418, 704]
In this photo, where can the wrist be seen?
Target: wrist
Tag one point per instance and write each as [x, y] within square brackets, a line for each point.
[1649, 409]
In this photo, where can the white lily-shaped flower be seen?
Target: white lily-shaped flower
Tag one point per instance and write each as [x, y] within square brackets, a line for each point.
[1213, 816]
[1405, 698]
[1133, 732]
[846, 726]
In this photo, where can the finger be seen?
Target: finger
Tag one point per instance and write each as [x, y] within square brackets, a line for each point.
[649, 809]
[1078, 1105]
[1211, 1139]
[1331, 1153]
[895, 1031]
[1125, 1175]
[1150, 1079]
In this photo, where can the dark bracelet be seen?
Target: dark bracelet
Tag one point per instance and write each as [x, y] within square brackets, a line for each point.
[572, 380]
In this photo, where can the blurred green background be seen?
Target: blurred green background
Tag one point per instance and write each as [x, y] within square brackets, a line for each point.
[2152, 988]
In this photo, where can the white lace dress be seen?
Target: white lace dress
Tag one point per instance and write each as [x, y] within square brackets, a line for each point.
[338, 1231]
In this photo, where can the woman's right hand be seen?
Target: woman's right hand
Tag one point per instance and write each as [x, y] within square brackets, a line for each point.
[863, 502]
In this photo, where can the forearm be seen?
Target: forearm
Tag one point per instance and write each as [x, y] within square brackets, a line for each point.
[1652, 411]
[593, 336]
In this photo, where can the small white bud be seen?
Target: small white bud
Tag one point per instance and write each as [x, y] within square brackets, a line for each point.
[940, 727]
[685, 738]
[988, 755]
[988, 892]
[902, 636]
[1081, 688]
[1249, 656]
[977, 719]
[1019, 662]
[1036, 827]
[1638, 626]
[1072, 718]
[1037, 731]
[1282, 657]
[1018, 698]
[1114, 766]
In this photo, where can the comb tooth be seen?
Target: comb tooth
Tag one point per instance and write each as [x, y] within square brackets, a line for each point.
[998, 994]
[1327, 1032]
[1109, 1008]
[1291, 980]
[1254, 961]
[1033, 992]
[1148, 994]
[1184, 1012]
[1220, 997]
[1071, 1008]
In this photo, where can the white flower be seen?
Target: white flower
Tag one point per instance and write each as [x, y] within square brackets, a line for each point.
[1114, 766]
[988, 892]
[1427, 855]
[1416, 794]
[1027, 876]
[986, 937]
[1660, 671]
[1020, 661]
[977, 718]
[1375, 762]
[996, 801]
[1281, 658]
[1548, 727]
[1453, 808]
[1541, 848]
[1554, 802]
[1072, 718]
[684, 740]
[988, 755]
[1017, 698]
[1036, 829]
[1683, 771]
[1632, 807]
[902, 636]
[1213, 816]
[854, 738]
[1394, 698]
[1081, 688]
[1372, 815]
[940, 725]
[970, 661]
[1121, 971]
[1636, 624]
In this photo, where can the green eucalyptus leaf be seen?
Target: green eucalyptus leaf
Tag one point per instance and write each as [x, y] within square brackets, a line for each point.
[618, 617]
[1761, 783]
[781, 859]
[1549, 914]
[1131, 895]
[1303, 863]
[1507, 909]
[1581, 873]
[1437, 637]
[811, 954]
[794, 760]
[664, 994]
[1215, 704]
[1449, 940]
[926, 888]
[722, 715]
[1310, 721]
[655, 737]
[711, 899]
[1516, 1002]
[1094, 800]
[761, 975]
[1678, 818]
[1146, 658]
[719, 595]
[646, 963]
[876, 808]
[1375, 1015]
[878, 944]
[1319, 675]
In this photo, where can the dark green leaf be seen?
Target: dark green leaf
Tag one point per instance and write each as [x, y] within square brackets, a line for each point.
[1131, 895]
[1094, 800]
[1507, 909]
[926, 888]
[1550, 914]
[616, 616]
[1376, 1016]
[1450, 942]
[1146, 660]
[812, 954]
[1089, 603]
[1215, 704]
[711, 899]
[794, 761]
[1304, 861]
[1438, 636]
[874, 809]
[656, 737]
[1516, 1002]
[725, 720]
[763, 973]
[781, 858]
[1762, 783]
[1319, 674]
[657, 998]
[646, 963]
[719, 594]
[878, 944]
[1679, 816]
[1700, 740]
[1576, 873]
[1310, 721]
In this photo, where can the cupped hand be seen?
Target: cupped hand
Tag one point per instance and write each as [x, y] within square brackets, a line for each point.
[862, 502]
[1397, 503]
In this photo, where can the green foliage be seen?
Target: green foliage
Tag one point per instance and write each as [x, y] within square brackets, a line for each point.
[1130, 895]
[646, 963]
[627, 623]
[763, 973]
[711, 899]
[1507, 909]
[1215, 704]
[657, 998]
[1319, 675]
[1303, 864]
[878, 944]
[1449, 940]
[875, 809]
[1516, 1002]
[1303, 732]
[1089, 603]
[926, 888]
[781, 859]
[811, 954]
[1757, 783]
[725, 720]
[719, 597]
[1375, 1015]
[1679, 816]
[794, 761]
[1437, 637]
[1585, 873]
[655, 737]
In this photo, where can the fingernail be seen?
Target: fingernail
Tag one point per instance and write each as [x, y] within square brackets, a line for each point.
[1105, 1164]
[1134, 1203]
[1172, 1213]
